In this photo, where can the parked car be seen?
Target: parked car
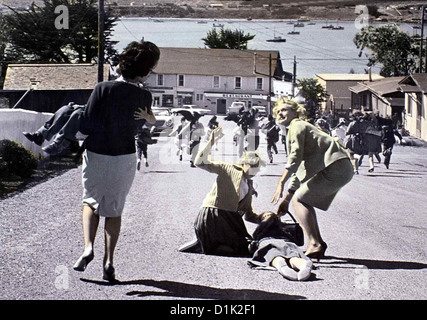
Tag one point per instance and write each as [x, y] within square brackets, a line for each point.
[262, 111]
[235, 107]
[202, 111]
[164, 120]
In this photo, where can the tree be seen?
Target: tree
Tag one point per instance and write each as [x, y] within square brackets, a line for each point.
[36, 35]
[227, 39]
[313, 93]
[390, 47]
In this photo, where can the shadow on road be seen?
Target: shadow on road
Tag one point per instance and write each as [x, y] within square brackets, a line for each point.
[337, 262]
[193, 291]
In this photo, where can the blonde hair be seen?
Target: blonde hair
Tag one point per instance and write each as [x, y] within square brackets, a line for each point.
[252, 158]
[299, 109]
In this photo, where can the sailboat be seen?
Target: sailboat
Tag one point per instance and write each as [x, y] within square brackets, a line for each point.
[276, 38]
[337, 27]
[293, 32]
[328, 26]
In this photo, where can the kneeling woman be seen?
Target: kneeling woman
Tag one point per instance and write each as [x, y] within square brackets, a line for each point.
[318, 166]
[219, 226]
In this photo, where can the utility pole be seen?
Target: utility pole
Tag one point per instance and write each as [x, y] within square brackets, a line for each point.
[270, 111]
[422, 39]
[422, 32]
[270, 77]
[101, 23]
[294, 77]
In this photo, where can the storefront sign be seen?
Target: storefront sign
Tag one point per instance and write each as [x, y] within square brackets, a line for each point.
[235, 95]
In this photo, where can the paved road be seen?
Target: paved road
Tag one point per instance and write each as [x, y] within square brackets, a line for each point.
[375, 229]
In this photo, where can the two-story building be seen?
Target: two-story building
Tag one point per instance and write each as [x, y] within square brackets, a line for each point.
[208, 78]
[214, 78]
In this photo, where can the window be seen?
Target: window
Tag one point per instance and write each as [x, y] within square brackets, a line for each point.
[259, 83]
[216, 81]
[199, 97]
[160, 80]
[180, 80]
[188, 100]
[238, 83]
[167, 100]
[419, 97]
[410, 103]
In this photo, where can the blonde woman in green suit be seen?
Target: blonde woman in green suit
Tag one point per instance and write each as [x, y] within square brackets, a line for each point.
[318, 166]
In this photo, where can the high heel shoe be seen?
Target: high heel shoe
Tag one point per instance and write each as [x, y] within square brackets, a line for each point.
[318, 254]
[83, 261]
[109, 273]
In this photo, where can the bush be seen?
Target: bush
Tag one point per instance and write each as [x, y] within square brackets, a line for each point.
[16, 159]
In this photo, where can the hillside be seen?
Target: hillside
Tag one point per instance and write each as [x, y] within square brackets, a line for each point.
[395, 11]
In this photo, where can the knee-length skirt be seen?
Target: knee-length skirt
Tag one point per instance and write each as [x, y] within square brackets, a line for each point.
[321, 189]
[215, 227]
[106, 182]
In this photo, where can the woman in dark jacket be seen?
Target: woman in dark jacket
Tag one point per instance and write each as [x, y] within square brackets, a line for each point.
[114, 112]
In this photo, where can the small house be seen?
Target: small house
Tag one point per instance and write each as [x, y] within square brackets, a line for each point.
[47, 87]
[382, 96]
[337, 87]
[414, 87]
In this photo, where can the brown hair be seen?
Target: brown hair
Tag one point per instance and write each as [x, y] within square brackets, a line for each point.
[138, 59]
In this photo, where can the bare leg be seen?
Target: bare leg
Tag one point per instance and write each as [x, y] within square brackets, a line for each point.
[112, 231]
[280, 264]
[300, 269]
[371, 161]
[306, 215]
[304, 267]
[90, 222]
[355, 161]
[296, 263]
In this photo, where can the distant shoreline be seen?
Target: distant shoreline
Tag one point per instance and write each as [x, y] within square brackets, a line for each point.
[317, 20]
[315, 13]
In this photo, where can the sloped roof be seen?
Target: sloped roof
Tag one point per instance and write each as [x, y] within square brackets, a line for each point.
[414, 83]
[221, 62]
[52, 76]
[347, 77]
[381, 87]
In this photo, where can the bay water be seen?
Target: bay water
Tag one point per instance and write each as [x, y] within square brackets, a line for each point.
[316, 49]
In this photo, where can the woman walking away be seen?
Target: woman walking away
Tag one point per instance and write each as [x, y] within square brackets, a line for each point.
[317, 166]
[219, 226]
[114, 111]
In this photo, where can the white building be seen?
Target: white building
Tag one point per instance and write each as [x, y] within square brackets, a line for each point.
[214, 78]
[415, 88]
